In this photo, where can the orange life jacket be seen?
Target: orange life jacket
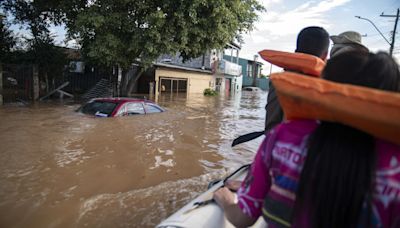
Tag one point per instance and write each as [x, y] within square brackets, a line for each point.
[374, 111]
[299, 62]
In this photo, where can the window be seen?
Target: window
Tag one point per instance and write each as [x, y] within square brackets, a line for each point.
[99, 108]
[151, 108]
[122, 110]
[134, 108]
[249, 70]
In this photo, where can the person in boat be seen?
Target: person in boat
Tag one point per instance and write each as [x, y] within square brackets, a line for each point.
[310, 173]
[311, 40]
[347, 41]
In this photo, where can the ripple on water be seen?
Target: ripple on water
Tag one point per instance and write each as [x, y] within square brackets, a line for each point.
[143, 207]
[66, 155]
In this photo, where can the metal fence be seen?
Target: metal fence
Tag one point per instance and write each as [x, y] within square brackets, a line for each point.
[80, 83]
[17, 83]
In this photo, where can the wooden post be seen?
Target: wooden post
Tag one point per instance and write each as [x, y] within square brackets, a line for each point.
[1, 84]
[35, 84]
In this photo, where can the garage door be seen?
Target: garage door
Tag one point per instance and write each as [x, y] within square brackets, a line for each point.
[173, 85]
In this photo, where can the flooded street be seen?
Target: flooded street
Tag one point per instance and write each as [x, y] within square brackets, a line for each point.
[59, 168]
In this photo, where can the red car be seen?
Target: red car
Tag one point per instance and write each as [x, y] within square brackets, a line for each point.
[112, 107]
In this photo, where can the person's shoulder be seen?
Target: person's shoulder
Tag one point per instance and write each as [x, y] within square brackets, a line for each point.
[294, 130]
[298, 126]
[388, 156]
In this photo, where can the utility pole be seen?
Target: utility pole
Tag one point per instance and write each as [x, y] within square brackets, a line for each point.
[394, 30]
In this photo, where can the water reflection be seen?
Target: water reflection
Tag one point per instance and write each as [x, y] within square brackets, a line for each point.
[59, 168]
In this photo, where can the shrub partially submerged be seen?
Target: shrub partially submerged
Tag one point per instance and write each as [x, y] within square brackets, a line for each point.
[210, 92]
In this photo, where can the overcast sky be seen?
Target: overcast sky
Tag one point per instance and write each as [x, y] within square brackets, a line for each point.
[278, 27]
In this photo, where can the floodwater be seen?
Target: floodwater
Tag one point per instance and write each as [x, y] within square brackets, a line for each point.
[59, 168]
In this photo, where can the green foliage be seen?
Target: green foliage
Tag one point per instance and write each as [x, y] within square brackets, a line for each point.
[43, 52]
[40, 48]
[7, 41]
[122, 31]
[210, 92]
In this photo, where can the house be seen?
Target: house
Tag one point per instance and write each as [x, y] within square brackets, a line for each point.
[170, 74]
[251, 72]
[228, 72]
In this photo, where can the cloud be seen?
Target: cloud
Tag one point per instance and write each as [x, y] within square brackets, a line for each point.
[268, 3]
[292, 21]
[277, 29]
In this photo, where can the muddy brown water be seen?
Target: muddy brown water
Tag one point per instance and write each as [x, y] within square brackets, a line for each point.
[59, 168]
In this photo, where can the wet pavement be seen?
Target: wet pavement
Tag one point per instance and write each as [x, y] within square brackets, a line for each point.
[59, 168]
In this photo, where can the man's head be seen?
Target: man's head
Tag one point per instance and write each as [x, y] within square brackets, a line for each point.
[347, 41]
[314, 41]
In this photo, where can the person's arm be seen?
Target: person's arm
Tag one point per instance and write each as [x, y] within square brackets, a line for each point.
[250, 195]
[226, 199]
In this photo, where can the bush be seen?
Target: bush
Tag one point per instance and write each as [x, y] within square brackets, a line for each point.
[210, 92]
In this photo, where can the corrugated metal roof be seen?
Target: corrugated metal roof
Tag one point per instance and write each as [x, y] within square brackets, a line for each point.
[182, 68]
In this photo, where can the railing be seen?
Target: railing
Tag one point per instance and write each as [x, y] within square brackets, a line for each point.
[226, 67]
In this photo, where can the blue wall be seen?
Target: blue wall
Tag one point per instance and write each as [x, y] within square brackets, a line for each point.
[248, 81]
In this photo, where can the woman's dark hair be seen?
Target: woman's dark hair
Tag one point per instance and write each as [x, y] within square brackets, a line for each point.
[336, 183]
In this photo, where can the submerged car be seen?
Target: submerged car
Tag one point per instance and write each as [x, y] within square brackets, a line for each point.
[113, 107]
[250, 88]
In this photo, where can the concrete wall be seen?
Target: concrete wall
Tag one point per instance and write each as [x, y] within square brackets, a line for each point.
[197, 81]
[262, 83]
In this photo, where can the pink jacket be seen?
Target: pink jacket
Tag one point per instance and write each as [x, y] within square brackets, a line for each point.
[278, 163]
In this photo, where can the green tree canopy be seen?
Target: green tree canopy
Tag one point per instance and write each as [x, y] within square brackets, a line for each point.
[121, 31]
[7, 40]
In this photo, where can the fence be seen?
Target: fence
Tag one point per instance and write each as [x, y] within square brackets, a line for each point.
[22, 83]
[80, 83]
[17, 83]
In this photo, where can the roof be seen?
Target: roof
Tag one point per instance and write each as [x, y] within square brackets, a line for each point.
[182, 68]
[234, 45]
[72, 54]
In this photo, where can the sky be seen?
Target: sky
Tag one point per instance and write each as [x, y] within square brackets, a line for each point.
[278, 27]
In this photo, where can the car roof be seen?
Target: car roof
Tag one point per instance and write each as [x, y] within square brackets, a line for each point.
[121, 99]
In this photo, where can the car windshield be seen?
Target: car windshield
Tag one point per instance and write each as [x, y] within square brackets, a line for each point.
[99, 108]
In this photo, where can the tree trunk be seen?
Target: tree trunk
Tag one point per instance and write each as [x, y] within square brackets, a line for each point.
[132, 82]
[1, 84]
[46, 78]
[35, 84]
[119, 79]
[126, 79]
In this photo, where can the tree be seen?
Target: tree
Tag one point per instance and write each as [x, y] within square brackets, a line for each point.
[120, 32]
[41, 50]
[50, 59]
[7, 40]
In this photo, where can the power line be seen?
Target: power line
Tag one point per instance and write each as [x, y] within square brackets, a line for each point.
[376, 34]
[366, 19]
